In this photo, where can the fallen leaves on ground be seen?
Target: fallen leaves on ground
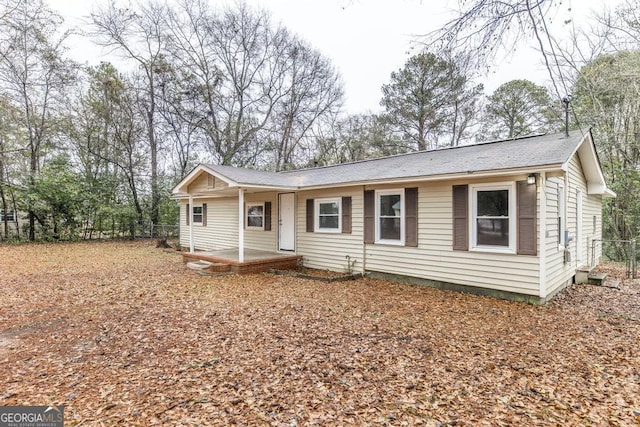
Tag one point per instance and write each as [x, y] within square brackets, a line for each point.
[123, 334]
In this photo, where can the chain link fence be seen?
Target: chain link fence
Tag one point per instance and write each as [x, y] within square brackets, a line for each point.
[617, 250]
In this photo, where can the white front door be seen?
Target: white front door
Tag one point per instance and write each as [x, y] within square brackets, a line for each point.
[286, 222]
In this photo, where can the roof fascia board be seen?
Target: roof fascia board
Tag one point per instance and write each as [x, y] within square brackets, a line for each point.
[592, 154]
[195, 172]
[200, 196]
[600, 186]
[185, 181]
[213, 195]
[596, 188]
[444, 177]
[577, 147]
[265, 187]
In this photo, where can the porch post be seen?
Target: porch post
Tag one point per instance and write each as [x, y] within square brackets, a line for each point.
[190, 220]
[240, 225]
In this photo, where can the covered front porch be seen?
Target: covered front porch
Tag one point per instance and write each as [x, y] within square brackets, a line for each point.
[247, 261]
[235, 220]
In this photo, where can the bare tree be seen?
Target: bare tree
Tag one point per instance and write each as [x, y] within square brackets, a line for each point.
[138, 36]
[34, 75]
[233, 73]
[179, 128]
[253, 90]
[109, 134]
[356, 137]
[312, 91]
[488, 28]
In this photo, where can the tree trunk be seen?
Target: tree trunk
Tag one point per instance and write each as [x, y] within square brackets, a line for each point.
[153, 147]
[32, 182]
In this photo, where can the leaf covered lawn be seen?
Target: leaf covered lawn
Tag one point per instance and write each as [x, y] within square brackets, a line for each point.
[123, 334]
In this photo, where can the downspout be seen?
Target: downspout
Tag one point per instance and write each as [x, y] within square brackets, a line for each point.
[240, 225]
[190, 219]
[542, 257]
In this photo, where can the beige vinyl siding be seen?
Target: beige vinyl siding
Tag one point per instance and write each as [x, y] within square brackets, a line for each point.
[554, 255]
[592, 208]
[201, 184]
[184, 228]
[330, 250]
[261, 239]
[435, 259]
[559, 272]
[222, 224]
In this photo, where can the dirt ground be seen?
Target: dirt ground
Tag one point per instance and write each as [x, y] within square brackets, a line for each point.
[123, 334]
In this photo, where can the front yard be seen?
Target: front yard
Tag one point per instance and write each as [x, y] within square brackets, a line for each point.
[123, 334]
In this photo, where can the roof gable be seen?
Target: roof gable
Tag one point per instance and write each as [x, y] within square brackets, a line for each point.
[591, 168]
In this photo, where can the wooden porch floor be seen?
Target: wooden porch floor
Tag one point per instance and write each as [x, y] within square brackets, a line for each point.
[255, 261]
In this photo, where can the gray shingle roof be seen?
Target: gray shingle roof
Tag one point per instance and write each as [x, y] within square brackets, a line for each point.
[254, 177]
[527, 152]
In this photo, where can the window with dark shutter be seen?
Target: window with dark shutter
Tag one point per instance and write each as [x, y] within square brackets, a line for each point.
[460, 220]
[188, 214]
[204, 214]
[310, 215]
[527, 227]
[346, 215]
[411, 216]
[369, 216]
[267, 216]
[255, 216]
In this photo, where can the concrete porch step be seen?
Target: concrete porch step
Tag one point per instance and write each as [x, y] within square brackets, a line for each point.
[582, 274]
[209, 267]
[596, 278]
[199, 265]
[611, 283]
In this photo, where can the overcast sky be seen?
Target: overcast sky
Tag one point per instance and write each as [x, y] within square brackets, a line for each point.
[368, 39]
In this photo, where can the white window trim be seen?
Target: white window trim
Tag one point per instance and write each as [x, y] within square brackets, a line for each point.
[193, 214]
[246, 214]
[473, 209]
[395, 191]
[316, 213]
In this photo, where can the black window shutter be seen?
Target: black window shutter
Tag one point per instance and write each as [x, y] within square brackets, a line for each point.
[527, 224]
[310, 216]
[267, 216]
[188, 214]
[411, 216]
[204, 214]
[369, 216]
[460, 220]
[346, 215]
